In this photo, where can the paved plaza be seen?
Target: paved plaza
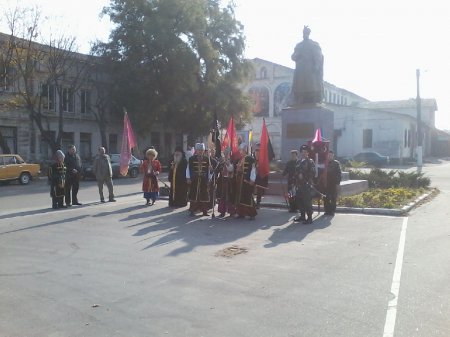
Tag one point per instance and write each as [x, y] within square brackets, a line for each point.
[124, 269]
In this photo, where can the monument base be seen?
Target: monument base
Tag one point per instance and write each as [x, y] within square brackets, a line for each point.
[299, 124]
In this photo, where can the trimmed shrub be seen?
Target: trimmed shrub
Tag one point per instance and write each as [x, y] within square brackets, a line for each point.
[378, 178]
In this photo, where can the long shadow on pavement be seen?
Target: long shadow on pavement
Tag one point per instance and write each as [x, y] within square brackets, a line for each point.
[201, 231]
[297, 231]
[57, 222]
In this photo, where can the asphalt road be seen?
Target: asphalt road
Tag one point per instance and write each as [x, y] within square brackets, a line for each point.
[123, 269]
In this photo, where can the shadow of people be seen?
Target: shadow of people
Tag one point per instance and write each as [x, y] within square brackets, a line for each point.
[198, 231]
[52, 223]
[297, 231]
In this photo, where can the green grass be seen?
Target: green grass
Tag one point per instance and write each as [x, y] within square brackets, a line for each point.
[382, 198]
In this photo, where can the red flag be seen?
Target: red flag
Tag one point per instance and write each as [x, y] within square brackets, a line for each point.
[128, 142]
[231, 140]
[263, 162]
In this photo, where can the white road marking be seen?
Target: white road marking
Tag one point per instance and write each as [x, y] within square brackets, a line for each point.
[391, 313]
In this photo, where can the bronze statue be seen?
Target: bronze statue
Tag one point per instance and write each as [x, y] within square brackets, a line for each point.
[307, 85]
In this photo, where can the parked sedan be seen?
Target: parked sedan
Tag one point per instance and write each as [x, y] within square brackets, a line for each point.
[372, 158]
[133, 170]
[13, 167]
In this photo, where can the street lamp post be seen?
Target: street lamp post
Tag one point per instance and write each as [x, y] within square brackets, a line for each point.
[419, 123]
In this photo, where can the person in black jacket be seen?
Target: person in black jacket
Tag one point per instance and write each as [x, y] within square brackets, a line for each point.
[73, 165]
[333, 182]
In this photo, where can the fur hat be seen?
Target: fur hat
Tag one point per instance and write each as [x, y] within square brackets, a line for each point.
[151, 151]
[60, 154]
[200, 146]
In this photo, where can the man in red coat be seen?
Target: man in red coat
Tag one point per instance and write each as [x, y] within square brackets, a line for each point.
[151, 168]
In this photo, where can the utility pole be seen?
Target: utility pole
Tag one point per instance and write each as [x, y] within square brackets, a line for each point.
[419, 124]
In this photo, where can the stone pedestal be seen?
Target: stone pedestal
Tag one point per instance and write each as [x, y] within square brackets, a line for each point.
[298, 126]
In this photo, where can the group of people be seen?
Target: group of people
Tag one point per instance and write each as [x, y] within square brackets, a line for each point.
[65, 173]
[202, 179]
[300, 174]
[64, 178]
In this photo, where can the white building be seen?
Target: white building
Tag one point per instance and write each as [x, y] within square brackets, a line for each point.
[359, 125]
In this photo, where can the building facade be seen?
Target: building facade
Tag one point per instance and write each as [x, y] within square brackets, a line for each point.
[70, 105]
[389, 128]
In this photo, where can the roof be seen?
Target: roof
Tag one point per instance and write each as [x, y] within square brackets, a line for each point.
[401, 104]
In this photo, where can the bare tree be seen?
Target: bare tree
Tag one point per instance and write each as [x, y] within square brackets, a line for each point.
[49, 73]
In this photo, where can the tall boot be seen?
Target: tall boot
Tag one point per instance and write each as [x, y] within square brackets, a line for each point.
[309, 220]
[301, 217]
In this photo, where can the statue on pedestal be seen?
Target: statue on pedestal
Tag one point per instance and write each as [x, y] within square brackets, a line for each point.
[307, 85]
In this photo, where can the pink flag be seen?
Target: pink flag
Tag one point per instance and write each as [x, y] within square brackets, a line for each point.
[263, 162]
[128, 142]
[318, 136]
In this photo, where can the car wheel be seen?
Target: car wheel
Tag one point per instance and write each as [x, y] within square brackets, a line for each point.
[24, 178]
[134, 172]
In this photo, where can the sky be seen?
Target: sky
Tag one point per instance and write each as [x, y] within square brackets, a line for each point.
[371, 48]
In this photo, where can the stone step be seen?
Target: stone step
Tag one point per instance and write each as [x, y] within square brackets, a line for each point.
[347, 187]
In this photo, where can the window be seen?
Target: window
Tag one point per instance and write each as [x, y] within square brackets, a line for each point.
[263, 73]
[179, 140]
[67, 100]
[45, 149]
[334, 98]
[85, 101]
[155, 140]
[10, 137]
[85, 145]
[168, 142]
[8, 79]
[112, 143]
[326, 96]
[405, 138]
[48, 96]
[367, 138]
[67, 139]
[32, 141]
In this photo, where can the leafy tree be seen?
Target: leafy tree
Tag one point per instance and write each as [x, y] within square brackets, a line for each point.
[176, 62]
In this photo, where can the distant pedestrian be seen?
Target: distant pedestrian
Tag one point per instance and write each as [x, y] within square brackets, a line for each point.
[103, 172]
[151, 168]
[57, 179]
[73, 166]
[333, 182]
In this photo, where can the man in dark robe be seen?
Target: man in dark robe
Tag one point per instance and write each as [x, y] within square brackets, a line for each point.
[198, 174]
[245, 176]
[177, 179]
[225, 188]
[333, 182]
[289, 170]
[305, 172]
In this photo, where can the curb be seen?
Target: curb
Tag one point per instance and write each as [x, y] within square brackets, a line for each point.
[369, 211]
